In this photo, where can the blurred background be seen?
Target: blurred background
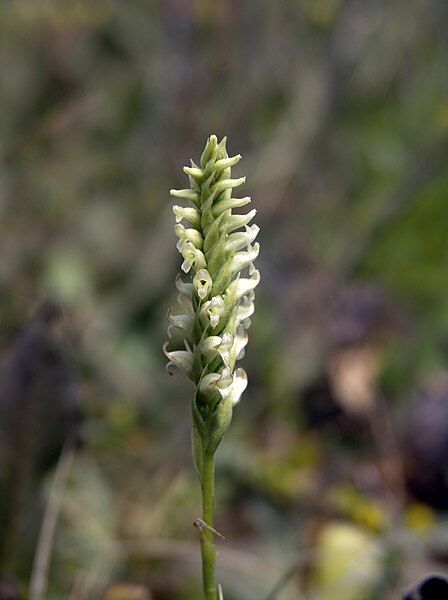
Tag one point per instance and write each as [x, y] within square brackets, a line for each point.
[333, 479]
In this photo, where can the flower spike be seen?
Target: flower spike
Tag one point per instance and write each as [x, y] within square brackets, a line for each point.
[217, 247]
[216, 302]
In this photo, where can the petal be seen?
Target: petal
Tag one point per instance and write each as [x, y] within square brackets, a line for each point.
[244, 311]
[225, 382]
[225, 347]
[183, 359]
[211, 343]
[241, 340]
[186, 266]
[207, 384]
[239, 384]
[184, 322]
[186, 289]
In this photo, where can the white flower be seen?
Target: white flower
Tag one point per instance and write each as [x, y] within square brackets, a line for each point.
[210, 343]
[188, 235]
[241, 286]
[183, 359]
[186, 289]
[203, 283]
[217, 382]
[185, 296]
[207, 384]
[239, 384]
[192, 257]
[214, 345]
[227, 384]
[240, 342]
[225, 347]
[213, 310]
[189, 214]
[224, 382]
[183, 322]
[245, 310]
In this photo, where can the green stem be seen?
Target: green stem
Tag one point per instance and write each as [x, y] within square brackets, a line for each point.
[208, 549]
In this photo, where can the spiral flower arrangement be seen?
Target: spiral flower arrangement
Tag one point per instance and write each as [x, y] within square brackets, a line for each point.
[208, 335]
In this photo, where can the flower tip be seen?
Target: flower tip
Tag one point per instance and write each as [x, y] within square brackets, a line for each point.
[193, 172]
[254, 230]
[222, 144]
[253, 272]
